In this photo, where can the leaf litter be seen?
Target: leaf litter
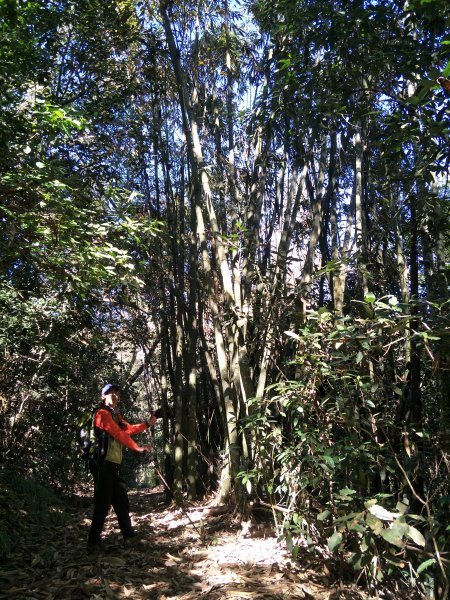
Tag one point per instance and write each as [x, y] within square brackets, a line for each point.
[198, 553]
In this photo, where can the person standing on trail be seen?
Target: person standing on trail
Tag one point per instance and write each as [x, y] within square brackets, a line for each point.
[112, 433]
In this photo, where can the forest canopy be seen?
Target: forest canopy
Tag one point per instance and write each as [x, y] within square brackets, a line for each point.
[237, 212]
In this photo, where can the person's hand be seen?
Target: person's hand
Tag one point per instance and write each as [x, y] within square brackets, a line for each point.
[151, 421]
[145, 449]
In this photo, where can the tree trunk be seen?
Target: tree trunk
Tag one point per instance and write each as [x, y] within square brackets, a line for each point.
[191, 328]
[316, 197]
[414, 400]
[360, 224]
[201, 196]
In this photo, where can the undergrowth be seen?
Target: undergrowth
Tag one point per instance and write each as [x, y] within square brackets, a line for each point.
[338, 453]
[24, 502]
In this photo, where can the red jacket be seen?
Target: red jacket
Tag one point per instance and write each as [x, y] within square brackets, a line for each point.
[103, 419]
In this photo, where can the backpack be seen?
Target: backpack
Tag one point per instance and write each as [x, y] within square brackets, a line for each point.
[91, 441]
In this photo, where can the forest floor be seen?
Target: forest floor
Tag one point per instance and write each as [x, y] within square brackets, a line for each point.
[190, 554]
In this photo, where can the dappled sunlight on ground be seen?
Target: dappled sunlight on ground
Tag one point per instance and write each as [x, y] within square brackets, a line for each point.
[189, 554]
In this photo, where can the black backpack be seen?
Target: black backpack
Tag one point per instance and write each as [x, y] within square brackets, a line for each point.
[91, 441]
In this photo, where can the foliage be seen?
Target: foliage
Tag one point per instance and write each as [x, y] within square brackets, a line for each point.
[335, 449]
[68, 252]
[28, 498]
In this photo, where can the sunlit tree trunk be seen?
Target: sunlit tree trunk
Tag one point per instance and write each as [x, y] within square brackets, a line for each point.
[191, 328]
[360, 224]
[278, 284]
[201, 197]
[341, 258]
[316, 198]
[164, 328]
[415, 402]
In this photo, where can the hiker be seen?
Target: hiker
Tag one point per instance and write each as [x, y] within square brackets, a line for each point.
[112, 432]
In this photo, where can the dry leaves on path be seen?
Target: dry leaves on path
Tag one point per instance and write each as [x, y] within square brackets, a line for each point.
[201, 556]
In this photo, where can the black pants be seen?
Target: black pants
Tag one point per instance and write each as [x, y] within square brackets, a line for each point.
[109, 490]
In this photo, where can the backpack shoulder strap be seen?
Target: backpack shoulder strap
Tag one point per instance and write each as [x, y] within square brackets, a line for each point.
[95, 410]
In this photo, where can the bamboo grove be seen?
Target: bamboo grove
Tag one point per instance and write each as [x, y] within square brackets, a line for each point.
[237, 211]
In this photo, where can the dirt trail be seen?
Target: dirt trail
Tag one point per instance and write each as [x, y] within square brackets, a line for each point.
[200, 557]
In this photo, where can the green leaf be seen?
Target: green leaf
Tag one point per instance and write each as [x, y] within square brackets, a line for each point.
[392, 537]
[446, 71]
[289, 542]
[334, 541]
[329, 460]
[426, 564]
[349, 517]
[415, 535]
[370, 502]
[418, 518]
[356, 527]
[402, 507]
[374, 523]
[323, 515]
[370, 298]
[400, 526]
[355, 559]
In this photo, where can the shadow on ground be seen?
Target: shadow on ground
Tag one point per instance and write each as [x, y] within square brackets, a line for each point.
[180, 557]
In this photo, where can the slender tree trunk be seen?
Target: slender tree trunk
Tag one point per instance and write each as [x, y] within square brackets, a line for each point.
[341, 259]
[360, 228]
[254, 206]
[415, 402]
[201, 196]
[316, 198]
[331, 189]
[167, 448]
[179, 416]
[296, 190]
[191, 328]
